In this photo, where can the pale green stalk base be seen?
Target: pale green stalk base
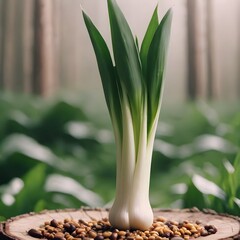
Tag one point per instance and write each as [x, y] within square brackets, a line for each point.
[131, 208]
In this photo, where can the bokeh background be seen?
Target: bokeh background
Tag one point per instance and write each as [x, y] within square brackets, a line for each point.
[56, 144]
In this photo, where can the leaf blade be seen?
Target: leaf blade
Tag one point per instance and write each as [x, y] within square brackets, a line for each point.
[126, 56]
[152, 27]
[156, 66]
[128, 66]
[107, 72]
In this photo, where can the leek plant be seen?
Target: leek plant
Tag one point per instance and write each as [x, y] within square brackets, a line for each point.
[133, 86]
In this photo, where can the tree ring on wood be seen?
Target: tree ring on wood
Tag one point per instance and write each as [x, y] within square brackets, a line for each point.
[16, 228]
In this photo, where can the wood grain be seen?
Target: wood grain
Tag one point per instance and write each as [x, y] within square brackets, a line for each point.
[16, 228]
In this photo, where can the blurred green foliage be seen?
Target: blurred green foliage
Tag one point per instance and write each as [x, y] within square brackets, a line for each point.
[60, 154]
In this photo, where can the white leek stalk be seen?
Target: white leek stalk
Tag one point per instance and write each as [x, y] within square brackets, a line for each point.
[133, 92]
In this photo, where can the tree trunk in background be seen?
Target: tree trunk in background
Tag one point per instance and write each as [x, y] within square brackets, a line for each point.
[43, 69]
[17, 69]
[238, 78]
[1, 43]
[57, 40]
[8, 59]
[27, 39]
[194, 50]
[212, 87]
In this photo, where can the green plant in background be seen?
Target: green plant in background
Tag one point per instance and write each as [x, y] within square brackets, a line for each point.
[221, 195]
[29, 162]
[81, 152]
[133, 91]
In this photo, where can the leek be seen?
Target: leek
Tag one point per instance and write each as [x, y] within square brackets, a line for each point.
[133, 87]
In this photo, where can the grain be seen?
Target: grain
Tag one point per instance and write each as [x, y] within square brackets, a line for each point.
[161, 229]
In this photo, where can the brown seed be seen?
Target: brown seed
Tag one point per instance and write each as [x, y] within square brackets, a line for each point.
[35, 233]
[155, 224]
[154, 232]
[99, 237]
[98, 226]
[74, 234]
[175, 228]
[212, 230]
[174, 223]
[69, 227]
[51, 229]
[107, 234]
[80, 230]
[207, 227]
[92, 234]
[114, 236]
[49, 235]
[159, 230]
[83, 222]
[101, 229]
[151, 238]
[161, 219]
[188, 226]
[177, 233]
[187, 232]
[122, 233]
[167, 234]
[59, 238]
[54, 223]
[69, 238]
[186, 237]
[59, 235]
[196, 235]
[66, 225]
[193, 230]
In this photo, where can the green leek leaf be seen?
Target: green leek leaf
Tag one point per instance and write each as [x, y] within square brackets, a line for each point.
[152, 27]
[156, 66]
[126, 58]
[107, 72]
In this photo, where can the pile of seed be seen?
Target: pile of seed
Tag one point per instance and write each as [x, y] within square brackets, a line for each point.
[161, 229]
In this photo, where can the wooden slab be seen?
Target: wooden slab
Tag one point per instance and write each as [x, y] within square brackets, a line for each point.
[16, 228]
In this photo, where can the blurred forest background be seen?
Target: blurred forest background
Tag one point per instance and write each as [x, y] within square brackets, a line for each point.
[55, 134]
